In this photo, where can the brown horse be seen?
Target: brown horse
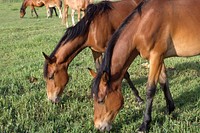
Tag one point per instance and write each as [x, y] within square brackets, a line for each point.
[75, 5]
[91, 31]
[33, 4]
[52, 3]
[156, 30]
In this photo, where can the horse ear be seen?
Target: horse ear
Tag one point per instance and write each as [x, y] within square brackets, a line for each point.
[92, 72]
[105, 77]
[48, 59]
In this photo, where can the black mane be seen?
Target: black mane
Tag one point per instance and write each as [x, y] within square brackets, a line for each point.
[105, 66]
[22, 7]
[82, 26]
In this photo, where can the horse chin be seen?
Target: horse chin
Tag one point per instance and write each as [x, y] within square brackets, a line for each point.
[103, 126]
[54, 100]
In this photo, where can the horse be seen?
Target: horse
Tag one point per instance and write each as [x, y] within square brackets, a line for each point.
[75, 5]
[91, 31]
[52, 3]
[155, 30]
[33, 4]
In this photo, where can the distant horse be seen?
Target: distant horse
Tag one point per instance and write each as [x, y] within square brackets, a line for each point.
[93, 30]
[75, 5]
[52, 3]
[156, 29]
[33, 4]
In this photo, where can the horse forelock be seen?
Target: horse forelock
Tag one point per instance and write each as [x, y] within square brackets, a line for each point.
[95, 84]
[106, 63]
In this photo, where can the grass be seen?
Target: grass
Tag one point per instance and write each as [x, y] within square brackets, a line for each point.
[24, 105]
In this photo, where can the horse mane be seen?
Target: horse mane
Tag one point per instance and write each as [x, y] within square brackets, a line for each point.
[82, 27]
[22, 7]
[106, 63]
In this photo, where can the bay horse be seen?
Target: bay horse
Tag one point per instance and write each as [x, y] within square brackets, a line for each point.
[33, 4]
[91, 31]
[52, 3]
[156, 29]
[75, 5]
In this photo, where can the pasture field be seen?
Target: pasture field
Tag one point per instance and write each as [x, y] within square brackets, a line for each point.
[23, 101]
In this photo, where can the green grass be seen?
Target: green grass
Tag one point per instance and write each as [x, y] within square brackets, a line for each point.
[24, 106]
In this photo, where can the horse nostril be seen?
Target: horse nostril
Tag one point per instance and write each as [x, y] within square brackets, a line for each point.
[100, 101]
[57, 100]
[102, 129]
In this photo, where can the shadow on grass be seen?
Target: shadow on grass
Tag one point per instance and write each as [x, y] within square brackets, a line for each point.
[186, 99]
[188, 65]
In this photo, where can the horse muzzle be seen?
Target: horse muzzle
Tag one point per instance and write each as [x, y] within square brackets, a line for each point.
[54, 99]
[103, 126]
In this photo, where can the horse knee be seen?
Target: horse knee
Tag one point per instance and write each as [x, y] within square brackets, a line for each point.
[151, 90]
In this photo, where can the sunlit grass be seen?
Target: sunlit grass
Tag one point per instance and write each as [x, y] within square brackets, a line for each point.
[24, 105]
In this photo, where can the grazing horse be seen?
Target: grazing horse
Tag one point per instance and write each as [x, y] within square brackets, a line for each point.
[156, 29]
[75, 5]
[52, 3]
[33, 4]
[91, 31]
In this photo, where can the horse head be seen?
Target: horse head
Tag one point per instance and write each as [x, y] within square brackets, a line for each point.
[56, 78]
[107, 101]
[22, 12]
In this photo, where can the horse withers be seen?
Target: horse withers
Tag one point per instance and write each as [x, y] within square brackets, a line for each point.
[156, 29]
[91, 31]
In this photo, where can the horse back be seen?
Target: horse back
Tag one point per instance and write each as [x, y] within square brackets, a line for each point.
[171, 27]
[77, 4]
[104, 24]
[184, 30]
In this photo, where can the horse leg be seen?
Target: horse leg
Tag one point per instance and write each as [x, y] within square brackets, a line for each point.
[51, 11]
[54, 9]
[154, 72]
[33, 9]
[83, 14]
[35, 12]
[165, 87]
[79, 14]
[48, 12]
[97, 59]
[72, 15]
[135, 91]
[65, 15]
[59, 9]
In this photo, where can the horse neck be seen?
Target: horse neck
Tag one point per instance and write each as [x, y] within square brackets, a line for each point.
[122, 44]
[24, 4]
[69, 50]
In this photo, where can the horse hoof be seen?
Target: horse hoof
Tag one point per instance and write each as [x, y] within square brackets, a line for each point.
[171, 108]
[143, 128]
[140, 101]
